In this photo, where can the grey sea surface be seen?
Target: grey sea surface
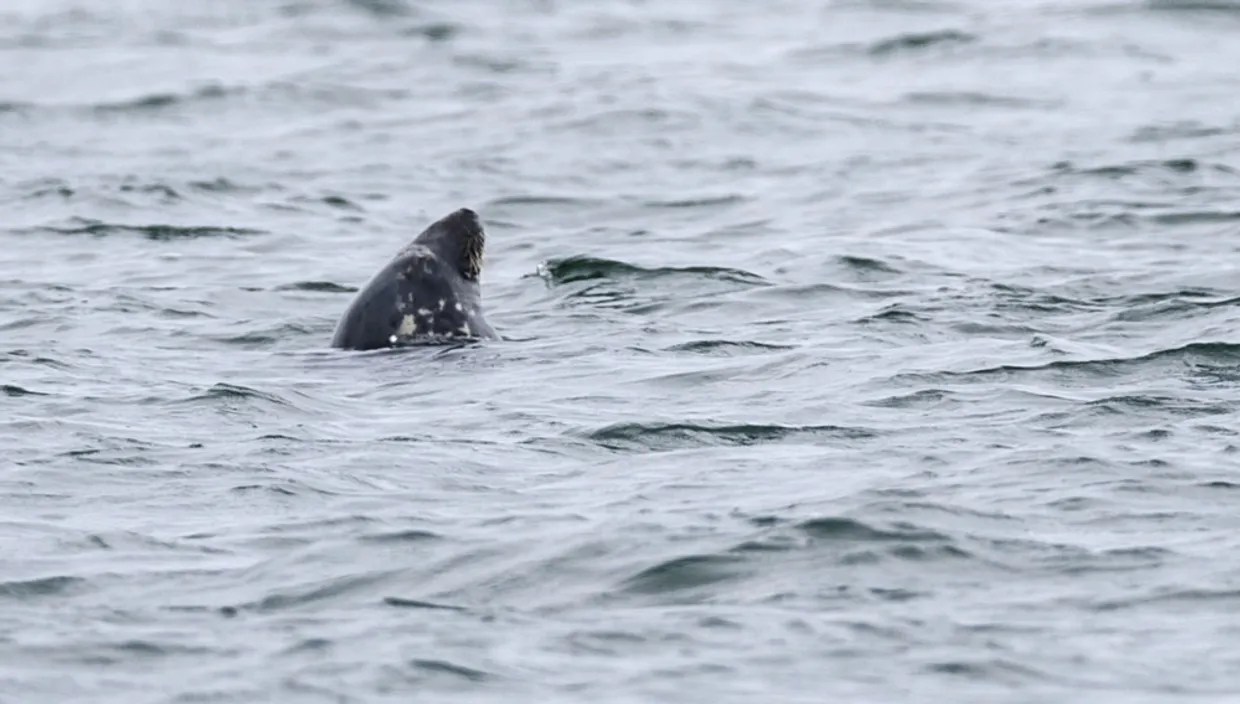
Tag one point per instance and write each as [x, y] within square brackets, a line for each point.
[855, 350]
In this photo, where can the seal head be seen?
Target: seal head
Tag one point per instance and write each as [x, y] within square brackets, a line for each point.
[428, 293]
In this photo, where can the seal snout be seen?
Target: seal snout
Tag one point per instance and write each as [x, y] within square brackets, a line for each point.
[458, 237]
[462, 218]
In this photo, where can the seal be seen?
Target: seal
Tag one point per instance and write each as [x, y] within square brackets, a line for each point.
[427, 294]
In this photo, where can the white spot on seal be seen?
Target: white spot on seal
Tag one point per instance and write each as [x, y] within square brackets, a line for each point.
[464, 329]
[408, 327]
[425, 312]
[442, 303]
[458, 306]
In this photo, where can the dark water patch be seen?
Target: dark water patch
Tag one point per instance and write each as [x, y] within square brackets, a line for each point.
[42, 587]
[316, 287]
[654, 437]
[335, 202]
[920, 41]
[1185, 129]
[726, 348]
[990, 670]
[411, 535]
[967, 99]
[131, 650]
[1222, 7]
[224, 186]
[558, 272]
[382, 9]
[159, 101]
[14, 390]
[434, 31]
[403, 603]
[98, 228]
[835, 529]
[1196, 217]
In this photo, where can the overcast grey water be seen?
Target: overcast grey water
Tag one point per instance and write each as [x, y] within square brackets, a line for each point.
[855, 350]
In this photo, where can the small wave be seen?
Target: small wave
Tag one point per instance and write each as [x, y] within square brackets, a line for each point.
[670, 436]
[1175, 405]
[584, 268]
[443, 667]
[703, 202]
[726, 347]
[258, 339]
[1217, 354]
[904, 43]
[560, 203]
[14, 390]
[1215, 598]
[159, 101]
[402, 603]
[1177, 166]
[866, 265]
[267, 488]
[894, 313]
[233, 392]
[847, 529]
[684, 573]
[98, 228]
[919, 399]
[320, 591]
[316, 286]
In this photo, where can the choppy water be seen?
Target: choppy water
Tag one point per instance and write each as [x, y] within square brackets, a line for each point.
[871, 351]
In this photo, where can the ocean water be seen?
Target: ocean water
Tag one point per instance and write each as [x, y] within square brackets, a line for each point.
[855, 350]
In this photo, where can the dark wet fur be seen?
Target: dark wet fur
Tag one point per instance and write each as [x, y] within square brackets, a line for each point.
[442, 264]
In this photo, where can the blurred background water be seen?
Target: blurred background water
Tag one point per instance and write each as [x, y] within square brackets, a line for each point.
[861, 350]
